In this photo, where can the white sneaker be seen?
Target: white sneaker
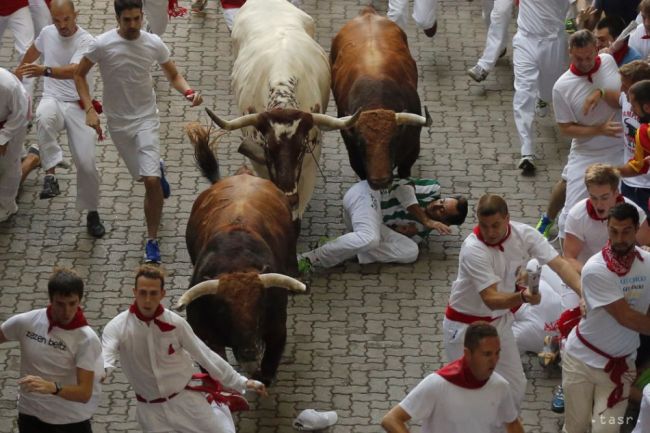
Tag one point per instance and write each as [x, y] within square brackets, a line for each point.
[541, 108]
[477, 73]
[5, 214]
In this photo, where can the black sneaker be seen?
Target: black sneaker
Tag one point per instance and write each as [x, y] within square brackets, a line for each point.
[50, 187]
[527, 165]
[94, 225]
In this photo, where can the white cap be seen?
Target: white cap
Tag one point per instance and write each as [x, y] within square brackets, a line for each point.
[309, 419]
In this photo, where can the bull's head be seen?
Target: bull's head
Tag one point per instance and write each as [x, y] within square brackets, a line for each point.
[284, 135]
[377, 130]
[243, 295]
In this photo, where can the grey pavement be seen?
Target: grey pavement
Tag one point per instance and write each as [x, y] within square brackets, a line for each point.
[364, 335]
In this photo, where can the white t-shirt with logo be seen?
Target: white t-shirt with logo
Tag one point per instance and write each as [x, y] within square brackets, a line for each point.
[56, 357]
[125, 67]
[592, 233]
[569, 94]
[445, 407]
[601, 287]
[480, 266]
[630, 126]
[58, 51]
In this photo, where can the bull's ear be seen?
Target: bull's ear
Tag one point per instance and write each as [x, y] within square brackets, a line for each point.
[252, 150]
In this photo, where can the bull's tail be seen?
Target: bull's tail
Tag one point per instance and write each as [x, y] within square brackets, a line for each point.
[203, 150]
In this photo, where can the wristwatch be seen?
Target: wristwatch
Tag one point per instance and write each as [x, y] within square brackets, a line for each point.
[58, 388]
[48, 71]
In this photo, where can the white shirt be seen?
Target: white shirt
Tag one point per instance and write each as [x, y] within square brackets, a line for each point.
[592, 233]
[638, 43]
[445, 407]
[56, 357]
[159, 364]
[14, 106]
[569, 94]
[61, 51]
[601, 287]
[630, 126]
[480, 266]
[125, 67]
[543, 18]
[643, 423]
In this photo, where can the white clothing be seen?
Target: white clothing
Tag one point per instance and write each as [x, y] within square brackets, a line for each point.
[229, 15]
[544, 18]
[159, 363]
[496, 14]
[436, 402]
[139, 147]
[638, 43]
[14, 113]
[601, 287]
[56, 51]
[534, 322]
[41, 16]
[55, 356]
[370, 240]
[480, 266]
[424, 12]
[155, 12]
[630, 126]
[643, 423]
[125, 67]
[20, 24]
[592, 233]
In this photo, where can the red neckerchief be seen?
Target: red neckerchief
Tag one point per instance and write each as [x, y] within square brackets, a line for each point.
[645, 36]
[620, 54]
[78, 321]
[588, 74]
[499, 244]
[591, 210]
[620, 265]
[459, 374]
[164, 326]
[174, 10]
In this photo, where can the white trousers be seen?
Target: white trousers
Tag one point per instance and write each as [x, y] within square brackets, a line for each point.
[20, 24]
[424, 12]
[52, 116]
[538, 63]
[188, 412]
[156, 14]
[370, 240]
[10, 169]
[574, 175]
[509, 365]
[496, 14]
[40, 15]
[586, 390]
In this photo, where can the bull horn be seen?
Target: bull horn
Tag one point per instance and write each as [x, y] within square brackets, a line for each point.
[252, 150]
[413, 119]
[210, 287]
[280, 280]
[329, 123]
[230, 125]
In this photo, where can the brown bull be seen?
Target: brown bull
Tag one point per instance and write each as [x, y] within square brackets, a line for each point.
[373, 71]
[241, 241]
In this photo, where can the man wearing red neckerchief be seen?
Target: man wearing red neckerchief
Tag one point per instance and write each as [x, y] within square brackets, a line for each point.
[156, 348]
[466, 395]
[640, 37]
[598, 360]
[485, 288]
[60, 361]
[607, 31]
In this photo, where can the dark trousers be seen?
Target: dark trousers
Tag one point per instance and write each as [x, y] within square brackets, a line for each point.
[31, 424]
[640, 196]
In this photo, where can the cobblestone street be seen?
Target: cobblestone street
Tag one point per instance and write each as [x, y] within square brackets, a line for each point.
[364, 335]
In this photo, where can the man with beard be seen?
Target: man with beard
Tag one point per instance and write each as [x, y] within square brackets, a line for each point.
[125, 56]
[607, 31]
[598, 363]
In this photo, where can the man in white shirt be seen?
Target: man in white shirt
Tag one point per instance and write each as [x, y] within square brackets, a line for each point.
[464, 396]
[60, 361]
[125, 56]
[539, 58]
[598, 360]
[486, 289]
[14, 114]
[62, 45]
[640, 37]
[596, 135]
[156, 348]
[424, 14]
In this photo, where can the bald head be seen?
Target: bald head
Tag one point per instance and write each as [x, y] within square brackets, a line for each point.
[64, 17]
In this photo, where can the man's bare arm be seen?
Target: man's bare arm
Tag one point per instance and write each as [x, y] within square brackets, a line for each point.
[395, 420]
